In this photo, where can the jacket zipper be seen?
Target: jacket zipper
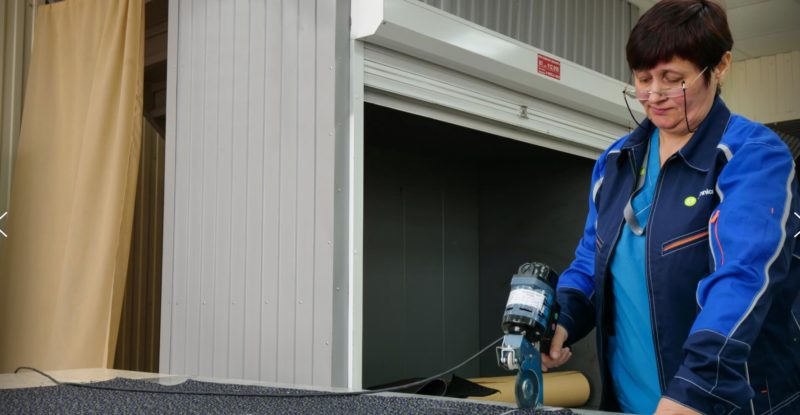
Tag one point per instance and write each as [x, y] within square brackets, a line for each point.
[647, 233]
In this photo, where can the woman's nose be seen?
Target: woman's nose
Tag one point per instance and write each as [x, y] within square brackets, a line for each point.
[656, 95]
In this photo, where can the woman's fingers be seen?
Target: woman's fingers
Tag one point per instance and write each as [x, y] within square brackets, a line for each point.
[548, 362]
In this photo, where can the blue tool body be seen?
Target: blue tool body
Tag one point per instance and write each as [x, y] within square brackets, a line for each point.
[529, 322]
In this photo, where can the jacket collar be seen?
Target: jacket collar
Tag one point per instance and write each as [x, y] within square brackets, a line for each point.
[699, 152]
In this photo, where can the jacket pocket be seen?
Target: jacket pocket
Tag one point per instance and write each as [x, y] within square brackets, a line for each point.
[684, 241]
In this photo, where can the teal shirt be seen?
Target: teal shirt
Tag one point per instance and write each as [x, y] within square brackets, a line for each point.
[631, 353]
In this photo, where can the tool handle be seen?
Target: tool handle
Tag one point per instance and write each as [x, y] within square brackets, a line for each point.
[550, 330]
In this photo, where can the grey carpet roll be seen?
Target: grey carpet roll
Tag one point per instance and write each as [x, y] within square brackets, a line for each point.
[66, 399]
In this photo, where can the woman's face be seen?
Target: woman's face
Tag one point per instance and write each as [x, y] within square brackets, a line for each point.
[667, 107]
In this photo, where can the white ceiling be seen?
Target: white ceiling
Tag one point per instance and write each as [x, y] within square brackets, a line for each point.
[759, 27]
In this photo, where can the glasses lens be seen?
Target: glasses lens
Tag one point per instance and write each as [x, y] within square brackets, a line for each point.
[636, 94]
[644, 95]
[673, 92]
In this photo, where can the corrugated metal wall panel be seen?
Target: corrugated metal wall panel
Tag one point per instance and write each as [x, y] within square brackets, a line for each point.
[326, 83]
[765, 89]
[591, 33]
[270, 230]
[255, 199]
[248, 281]
[287, 247]
[221, 269]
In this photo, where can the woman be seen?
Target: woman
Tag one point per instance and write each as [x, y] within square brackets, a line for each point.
[686, 264]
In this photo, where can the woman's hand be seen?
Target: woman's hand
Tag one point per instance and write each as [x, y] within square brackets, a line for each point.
[670, 407]
[558, 354]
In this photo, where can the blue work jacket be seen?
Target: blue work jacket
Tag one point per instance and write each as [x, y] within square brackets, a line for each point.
[721, 264]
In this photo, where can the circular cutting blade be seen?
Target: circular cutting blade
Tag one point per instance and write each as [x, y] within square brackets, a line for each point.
[527, 389]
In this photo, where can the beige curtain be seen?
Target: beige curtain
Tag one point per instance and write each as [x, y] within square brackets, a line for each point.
[63, 268]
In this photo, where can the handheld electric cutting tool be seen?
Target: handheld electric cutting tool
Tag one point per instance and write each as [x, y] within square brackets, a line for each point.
[529, 323]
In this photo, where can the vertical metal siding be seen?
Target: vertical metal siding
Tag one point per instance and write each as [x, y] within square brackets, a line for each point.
[287, 248]
[331, 30]
[221, 298]
[591, 33]
[248, 275]
[272, 238]
[255, 195]
[765, 89]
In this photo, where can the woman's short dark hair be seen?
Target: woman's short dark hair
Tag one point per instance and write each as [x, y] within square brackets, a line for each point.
[694, 30]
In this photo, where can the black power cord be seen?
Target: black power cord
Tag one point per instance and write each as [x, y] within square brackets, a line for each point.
[264, 395]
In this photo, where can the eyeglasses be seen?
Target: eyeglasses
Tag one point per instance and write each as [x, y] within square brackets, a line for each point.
[671, 92]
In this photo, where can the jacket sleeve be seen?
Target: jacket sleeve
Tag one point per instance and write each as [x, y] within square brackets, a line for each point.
[752, 237]
[576, 285]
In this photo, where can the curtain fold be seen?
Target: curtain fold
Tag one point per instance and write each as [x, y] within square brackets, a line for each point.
[63, 268]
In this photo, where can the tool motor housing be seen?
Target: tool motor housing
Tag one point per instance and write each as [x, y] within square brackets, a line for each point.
[531, 309]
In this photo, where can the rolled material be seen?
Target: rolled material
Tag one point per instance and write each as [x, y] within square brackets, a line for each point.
[561, 389]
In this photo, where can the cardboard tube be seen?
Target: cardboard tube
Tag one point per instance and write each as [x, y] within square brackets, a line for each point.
[561, 389]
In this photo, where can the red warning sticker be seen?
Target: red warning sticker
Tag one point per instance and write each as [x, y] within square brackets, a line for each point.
[549, 67]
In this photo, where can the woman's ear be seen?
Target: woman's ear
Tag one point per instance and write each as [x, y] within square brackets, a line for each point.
[722, 68]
